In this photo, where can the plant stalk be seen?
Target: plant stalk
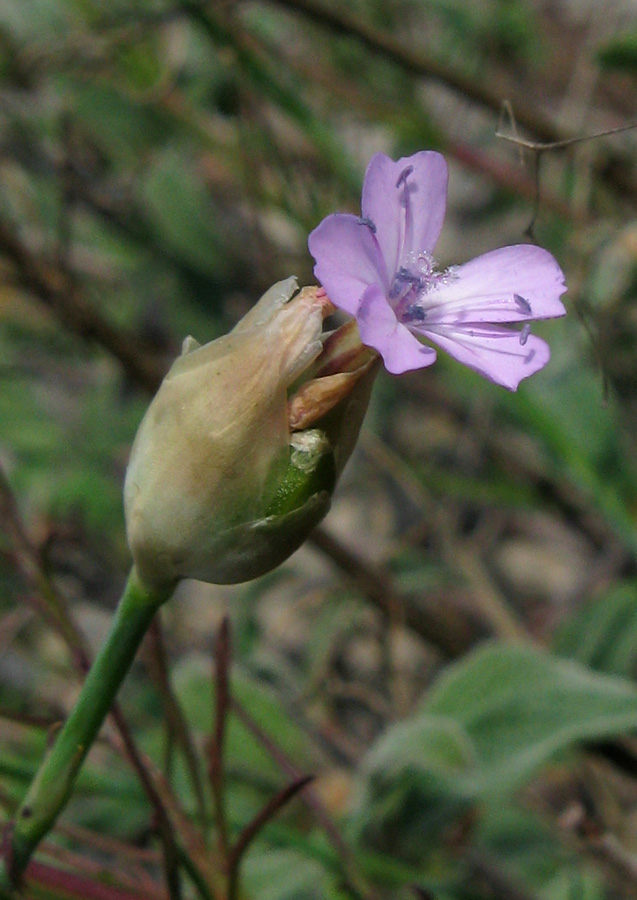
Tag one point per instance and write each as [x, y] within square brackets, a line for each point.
[52, 786]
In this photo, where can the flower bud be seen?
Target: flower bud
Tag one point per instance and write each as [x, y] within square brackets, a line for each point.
[217, 487]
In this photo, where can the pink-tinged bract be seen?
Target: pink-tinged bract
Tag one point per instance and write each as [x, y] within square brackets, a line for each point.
[380, 268]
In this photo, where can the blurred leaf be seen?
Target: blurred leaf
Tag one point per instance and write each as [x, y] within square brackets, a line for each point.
[125, 130]
[282, 874]
[620, 53]
[572, 882]
[84, 444]
[488, 723]
[524, 839]
[435, 743]
[181, 212]
[412, 785]
[603, 633]
[141, 64]
[581, 430]
[37, 19]
[283, 92]
[524, 845]
[109, 799]
[520, 706]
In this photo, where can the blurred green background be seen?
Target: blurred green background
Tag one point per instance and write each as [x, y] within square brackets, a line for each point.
[453, 654]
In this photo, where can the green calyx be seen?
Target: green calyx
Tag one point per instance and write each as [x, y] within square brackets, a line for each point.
[311, 470]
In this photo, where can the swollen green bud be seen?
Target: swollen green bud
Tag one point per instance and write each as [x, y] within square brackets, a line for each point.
[218, 488]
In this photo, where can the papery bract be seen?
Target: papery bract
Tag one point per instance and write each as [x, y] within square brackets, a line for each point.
[380, 268]
[218, 487]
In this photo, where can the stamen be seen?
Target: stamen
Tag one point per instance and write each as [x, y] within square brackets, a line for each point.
[403, 283]
[364, 220]
[408, 277]
[417, 277]
[414, 313]
[404, 175]
[398, 284]
[523, 304]
[524, 334]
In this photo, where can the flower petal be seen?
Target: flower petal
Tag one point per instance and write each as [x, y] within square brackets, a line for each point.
[382, 203]
[512, 284]
[379, 328]
[347, 259]
[500, 354]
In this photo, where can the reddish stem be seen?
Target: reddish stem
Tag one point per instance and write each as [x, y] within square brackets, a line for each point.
[222, 657]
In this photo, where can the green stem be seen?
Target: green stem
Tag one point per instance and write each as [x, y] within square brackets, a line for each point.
[53, 783]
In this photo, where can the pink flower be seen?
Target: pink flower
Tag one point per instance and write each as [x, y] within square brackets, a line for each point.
[380, 268]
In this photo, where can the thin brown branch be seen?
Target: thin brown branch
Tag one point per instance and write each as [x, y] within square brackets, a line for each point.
[489, 601]
[56, 291]
[164, 826]
[111, 846]
[223, 653]
[130, 876]
[540, 146]
[309, 797]
[200, 861]
[446, 629]
[46, 600]
[478, 90]
[510, 177]
[513, 179]
[254, 827]
[70, 885]
[337, 19]
[175, 720]
[135, 883]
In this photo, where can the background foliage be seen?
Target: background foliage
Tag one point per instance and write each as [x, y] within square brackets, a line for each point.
[453, 654]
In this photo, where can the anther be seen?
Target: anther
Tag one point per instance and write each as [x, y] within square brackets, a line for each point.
[523, 304]
[404, 175]
[524, 334]
[415, 313]
[364, 220]
[403, 283]
[408, 277]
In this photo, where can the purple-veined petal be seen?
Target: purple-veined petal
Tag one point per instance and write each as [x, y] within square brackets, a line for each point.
[347, 259]
[400, 234]
[502, 355]
[379, 328]
[512, 284]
